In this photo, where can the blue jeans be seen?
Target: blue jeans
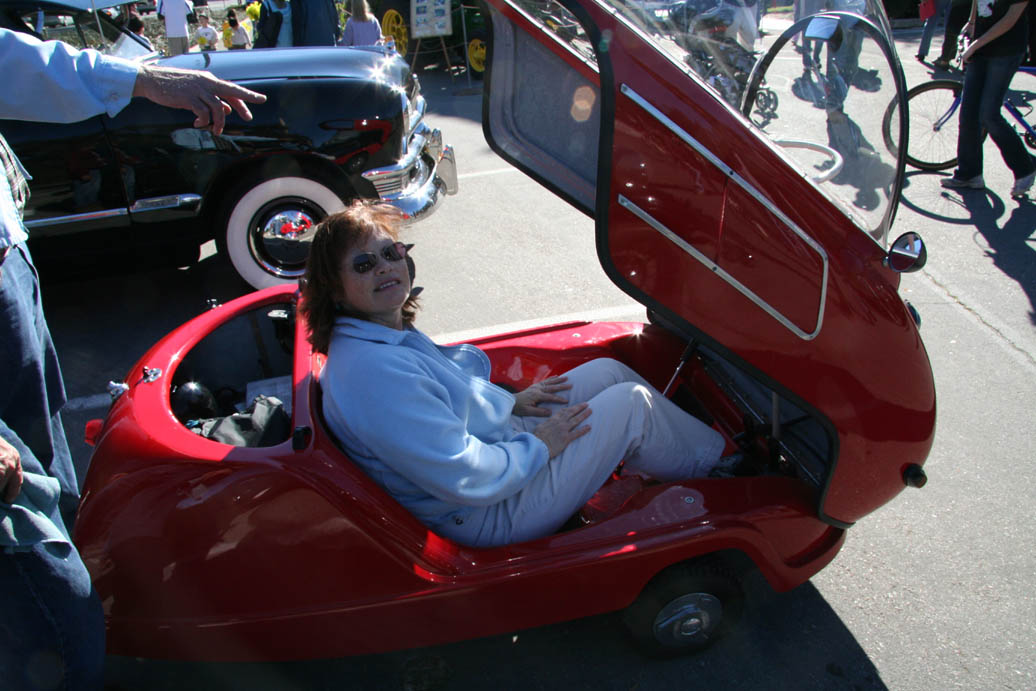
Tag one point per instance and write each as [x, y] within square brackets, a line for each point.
[52, 628]
[929, 27]
[986, 80]
[52, 625]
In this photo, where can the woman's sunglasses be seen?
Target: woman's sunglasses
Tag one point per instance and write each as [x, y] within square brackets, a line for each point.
[362, 263]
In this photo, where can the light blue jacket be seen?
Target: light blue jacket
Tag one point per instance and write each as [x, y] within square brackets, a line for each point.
[53, 82]
[424, 421]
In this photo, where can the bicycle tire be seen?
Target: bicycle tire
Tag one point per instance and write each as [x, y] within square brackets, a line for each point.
[929, 148]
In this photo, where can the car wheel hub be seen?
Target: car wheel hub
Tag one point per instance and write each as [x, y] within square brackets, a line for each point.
[688, 620]
[280, 235]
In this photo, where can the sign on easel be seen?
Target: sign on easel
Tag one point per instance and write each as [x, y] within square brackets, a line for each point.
[430, 18]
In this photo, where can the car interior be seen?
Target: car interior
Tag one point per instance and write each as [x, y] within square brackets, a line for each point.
[235, 387]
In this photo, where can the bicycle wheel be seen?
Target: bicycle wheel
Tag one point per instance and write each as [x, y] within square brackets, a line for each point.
[932, 125]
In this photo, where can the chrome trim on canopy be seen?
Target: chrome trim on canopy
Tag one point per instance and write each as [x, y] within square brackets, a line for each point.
[716, 269]
[755, 194]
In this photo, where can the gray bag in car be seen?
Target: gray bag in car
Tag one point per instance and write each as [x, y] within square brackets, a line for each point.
[264, 423]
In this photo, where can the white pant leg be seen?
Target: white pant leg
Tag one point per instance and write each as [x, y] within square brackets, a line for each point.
[587, 380]
[629, 420]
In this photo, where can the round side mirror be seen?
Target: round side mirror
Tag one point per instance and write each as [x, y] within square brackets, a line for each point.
[907, 253]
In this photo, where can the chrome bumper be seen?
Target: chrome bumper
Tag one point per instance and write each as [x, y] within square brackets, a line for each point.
[422, 178]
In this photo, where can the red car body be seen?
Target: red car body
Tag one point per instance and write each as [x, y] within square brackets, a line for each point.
[803, 352]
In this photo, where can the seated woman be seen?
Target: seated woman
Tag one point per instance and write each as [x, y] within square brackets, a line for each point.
[472, 461]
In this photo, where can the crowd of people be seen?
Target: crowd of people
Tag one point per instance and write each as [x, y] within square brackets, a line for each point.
[263, 24]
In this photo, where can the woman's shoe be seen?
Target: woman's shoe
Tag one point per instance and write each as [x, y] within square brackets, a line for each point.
[941, 64]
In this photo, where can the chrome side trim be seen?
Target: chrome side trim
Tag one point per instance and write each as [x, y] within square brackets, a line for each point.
[141, 206]
[76, 218]
[755, 194]
[172, 201]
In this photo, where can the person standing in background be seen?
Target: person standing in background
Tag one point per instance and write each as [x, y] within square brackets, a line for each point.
[175, 12]
[228, 30]
[956, 18]
[315, 23]
[941, 6]
[1000, 37]
[136, 25]
[205, 36]
[239, 38]
[273, 29]
[361, 28]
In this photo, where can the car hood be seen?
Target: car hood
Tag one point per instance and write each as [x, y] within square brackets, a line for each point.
[297, 63]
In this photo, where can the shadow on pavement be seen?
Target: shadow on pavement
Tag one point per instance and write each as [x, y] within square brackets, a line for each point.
[789, 641]
[1009, 245]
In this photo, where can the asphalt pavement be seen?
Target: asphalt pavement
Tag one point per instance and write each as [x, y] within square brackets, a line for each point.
[933, 591]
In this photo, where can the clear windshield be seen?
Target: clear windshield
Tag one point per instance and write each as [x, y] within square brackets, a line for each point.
[87, 30]
[819, 88]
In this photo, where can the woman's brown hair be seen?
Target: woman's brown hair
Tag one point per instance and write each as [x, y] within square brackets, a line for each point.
[322, 284]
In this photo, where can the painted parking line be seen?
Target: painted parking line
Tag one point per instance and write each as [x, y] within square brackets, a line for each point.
[631, 312]
[483, 173]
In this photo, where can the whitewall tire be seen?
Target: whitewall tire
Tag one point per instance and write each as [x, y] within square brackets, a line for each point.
[269, 228]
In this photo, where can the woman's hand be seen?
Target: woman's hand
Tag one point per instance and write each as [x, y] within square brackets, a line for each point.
[528, 402]
[10, 471]
[563, 428]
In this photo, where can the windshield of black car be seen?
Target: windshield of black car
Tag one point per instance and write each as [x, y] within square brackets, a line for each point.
[86, 30]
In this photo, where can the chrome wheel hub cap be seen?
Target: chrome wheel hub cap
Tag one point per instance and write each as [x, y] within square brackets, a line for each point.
[688, 620]
[280, 235]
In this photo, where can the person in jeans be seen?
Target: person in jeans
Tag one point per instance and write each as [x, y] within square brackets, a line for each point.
[956, 18]
[999, 29]
[941, 6]
[52, 627]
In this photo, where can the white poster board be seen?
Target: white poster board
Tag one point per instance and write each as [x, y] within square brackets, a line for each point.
[430, 18]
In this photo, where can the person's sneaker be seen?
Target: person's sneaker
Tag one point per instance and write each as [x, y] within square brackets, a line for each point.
[1022, 185]
[975, 183]
[941, 64]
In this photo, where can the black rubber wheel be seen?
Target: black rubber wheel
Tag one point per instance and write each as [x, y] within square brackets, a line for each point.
[685, 608]
[933, 109]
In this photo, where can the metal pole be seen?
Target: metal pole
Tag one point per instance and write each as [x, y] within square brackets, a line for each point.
[464, 32]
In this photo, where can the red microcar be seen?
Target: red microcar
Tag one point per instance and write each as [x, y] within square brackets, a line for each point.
[742, 191]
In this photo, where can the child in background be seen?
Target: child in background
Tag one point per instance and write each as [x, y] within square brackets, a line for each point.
[205, 36]
[239, 38]
[136, 25]
[228, 31]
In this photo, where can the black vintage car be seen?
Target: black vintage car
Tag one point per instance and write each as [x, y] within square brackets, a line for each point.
[339, 123]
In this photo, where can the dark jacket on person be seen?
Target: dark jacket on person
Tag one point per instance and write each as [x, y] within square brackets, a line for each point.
[315, 23]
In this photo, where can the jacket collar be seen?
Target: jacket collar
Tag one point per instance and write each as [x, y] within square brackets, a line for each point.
[369, 331]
